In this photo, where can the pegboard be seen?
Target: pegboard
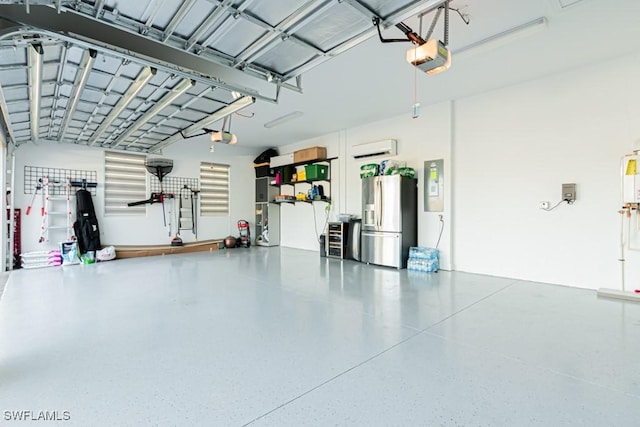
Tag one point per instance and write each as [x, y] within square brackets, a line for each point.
[33, 176]
[173, 184]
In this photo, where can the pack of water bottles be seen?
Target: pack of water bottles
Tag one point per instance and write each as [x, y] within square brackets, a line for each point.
[423, 259]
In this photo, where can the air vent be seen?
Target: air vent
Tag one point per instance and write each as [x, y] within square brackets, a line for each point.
[387, 147]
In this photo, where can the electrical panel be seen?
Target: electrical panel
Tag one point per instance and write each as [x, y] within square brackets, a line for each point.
[569, 192]
[434, 185]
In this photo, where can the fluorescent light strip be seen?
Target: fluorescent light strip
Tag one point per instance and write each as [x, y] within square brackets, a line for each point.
[34, 55]
[506, 36]
[143, 78]
[283, 119]
[177, 90]
[84, 69]
[225, 111]
[3, 136]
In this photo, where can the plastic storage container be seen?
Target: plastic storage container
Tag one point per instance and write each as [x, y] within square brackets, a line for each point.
[302, 174]
[316, 171]
[262, 170]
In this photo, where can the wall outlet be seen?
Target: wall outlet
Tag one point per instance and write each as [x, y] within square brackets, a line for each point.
[543, 205]
[569, 192]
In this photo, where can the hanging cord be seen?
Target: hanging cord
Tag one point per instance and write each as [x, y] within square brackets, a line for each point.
[416, 104]
[315, 221]
[441, 230]
[569, 202]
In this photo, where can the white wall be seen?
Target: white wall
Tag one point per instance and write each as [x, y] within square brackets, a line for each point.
[136, 230]
[298, 225]
[515, 147]
[509, 149]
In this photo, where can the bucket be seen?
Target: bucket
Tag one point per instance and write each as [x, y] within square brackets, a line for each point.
[89, 257]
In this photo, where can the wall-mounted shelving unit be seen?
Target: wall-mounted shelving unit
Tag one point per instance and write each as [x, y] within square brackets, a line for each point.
[293, 202]
[324, 181]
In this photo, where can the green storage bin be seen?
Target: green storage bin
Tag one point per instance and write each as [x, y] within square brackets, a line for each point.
[315, 172]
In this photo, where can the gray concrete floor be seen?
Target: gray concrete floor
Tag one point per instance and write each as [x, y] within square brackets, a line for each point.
[280, 337]
[4, 276]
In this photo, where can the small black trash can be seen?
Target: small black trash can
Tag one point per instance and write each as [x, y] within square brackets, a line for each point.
[323, 249]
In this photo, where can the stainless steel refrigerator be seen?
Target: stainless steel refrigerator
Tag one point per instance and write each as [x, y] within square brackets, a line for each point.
[389, 220]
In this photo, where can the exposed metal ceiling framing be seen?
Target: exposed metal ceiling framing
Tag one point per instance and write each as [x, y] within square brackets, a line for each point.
[137, 75]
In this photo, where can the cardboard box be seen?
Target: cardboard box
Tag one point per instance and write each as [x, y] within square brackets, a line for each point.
[310, 154]
[285, 159]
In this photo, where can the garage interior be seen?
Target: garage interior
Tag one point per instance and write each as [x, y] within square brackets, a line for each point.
[162, 111]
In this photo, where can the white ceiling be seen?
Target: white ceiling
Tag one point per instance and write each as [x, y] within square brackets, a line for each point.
[368, 82]
[373, 81]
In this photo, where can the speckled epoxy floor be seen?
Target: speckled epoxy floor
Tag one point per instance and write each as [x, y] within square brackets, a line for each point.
[280, 337]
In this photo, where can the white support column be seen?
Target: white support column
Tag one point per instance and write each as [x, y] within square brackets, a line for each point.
[3, 185]
[11, 159]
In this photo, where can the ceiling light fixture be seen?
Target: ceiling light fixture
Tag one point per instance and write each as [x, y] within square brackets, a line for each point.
[496, 40]
[283, 119]
[143, 78]
[175, 92]
[34, 55]
[84, 69]
[223, 112]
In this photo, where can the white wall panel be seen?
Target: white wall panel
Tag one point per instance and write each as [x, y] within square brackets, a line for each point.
[147, 229]
[516, 146]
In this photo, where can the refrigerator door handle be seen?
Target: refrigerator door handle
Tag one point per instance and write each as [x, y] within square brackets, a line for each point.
[375, 203]
[381, 205]
[378, 202]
